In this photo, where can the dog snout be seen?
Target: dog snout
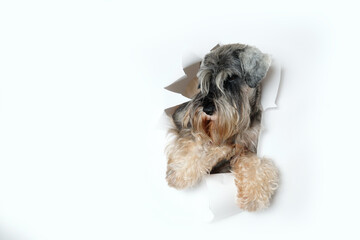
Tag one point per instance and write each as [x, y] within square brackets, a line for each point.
[208, 107]
[209, 110]
[208, 101]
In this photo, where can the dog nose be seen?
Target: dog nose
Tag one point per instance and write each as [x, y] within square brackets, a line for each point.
[209, 109]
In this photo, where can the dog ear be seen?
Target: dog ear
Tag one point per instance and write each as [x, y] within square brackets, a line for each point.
[255, 65]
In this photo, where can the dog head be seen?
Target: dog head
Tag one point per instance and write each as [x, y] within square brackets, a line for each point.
[229, 79]
[229, 71]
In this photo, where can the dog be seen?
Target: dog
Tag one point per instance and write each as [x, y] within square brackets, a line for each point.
[217, 131]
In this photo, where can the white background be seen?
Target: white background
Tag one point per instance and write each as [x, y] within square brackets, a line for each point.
[81, 98]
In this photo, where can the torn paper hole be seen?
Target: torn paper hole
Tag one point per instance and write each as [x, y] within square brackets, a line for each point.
[221, 187]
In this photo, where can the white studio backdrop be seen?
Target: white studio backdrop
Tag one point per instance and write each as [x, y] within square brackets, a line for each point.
[81, 106]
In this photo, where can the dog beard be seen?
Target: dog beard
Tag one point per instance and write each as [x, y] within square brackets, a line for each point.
[220, 127]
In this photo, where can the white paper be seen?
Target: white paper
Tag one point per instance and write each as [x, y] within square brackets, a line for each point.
[221, 187]
[222, 195]
[270, 85]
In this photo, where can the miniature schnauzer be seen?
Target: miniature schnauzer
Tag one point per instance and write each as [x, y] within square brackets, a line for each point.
[218, 129]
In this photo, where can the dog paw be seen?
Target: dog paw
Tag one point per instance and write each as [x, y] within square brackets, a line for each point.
[256, 180]
[181, 179]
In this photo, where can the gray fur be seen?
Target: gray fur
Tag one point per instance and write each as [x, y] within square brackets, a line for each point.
[249, 63]
[256, 65]
[229, 78]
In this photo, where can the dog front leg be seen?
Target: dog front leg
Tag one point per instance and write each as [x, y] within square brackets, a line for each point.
[189, 160]
[256, 180]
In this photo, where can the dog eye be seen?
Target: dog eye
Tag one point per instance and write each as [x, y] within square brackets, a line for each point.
[231, 78]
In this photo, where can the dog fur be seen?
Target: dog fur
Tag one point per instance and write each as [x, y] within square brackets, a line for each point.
[219, 128]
